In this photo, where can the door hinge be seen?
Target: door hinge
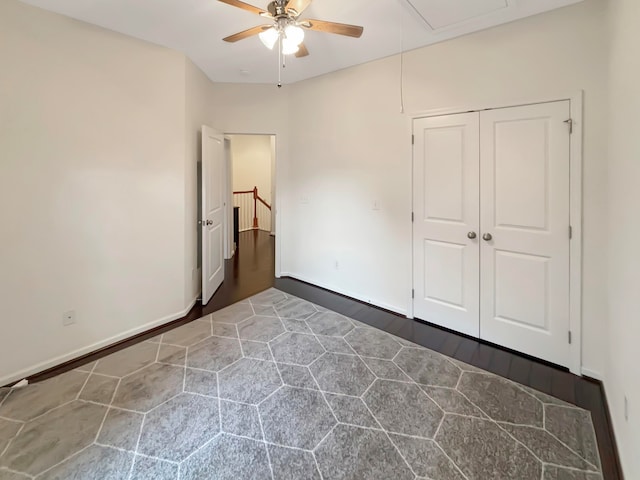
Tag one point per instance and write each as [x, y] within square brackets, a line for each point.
[570, 339]
[413, 293]
[570, 123]
[570, 232]
[413, 139]
[413, 217]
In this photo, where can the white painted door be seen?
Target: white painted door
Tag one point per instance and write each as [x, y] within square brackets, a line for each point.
[213, 179]
[446, 221]
[524, 204]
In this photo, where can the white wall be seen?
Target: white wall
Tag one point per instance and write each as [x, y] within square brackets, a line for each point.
[350, 146]
[251, 156]
[624, 231]
[92, 184]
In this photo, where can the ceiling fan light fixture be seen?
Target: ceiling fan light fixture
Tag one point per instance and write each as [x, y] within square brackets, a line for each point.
[294, 34]
[289, 47]
[269, 37]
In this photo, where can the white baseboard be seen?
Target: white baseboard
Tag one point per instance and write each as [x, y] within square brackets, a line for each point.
[592, 374]
[362, 298]
[40, 367]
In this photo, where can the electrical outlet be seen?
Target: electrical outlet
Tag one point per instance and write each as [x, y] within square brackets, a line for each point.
[337, 265]
[69, 318]
[376, 205]
[626, 409]
[304, 200]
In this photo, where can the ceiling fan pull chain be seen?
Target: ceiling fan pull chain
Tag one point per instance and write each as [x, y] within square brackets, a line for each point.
[280, 62]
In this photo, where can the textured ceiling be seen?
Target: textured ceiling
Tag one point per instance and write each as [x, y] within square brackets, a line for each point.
[196, 27]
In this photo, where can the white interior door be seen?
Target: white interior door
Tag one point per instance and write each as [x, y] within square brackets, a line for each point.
[446, 221]
[524, 202]
[213, 204]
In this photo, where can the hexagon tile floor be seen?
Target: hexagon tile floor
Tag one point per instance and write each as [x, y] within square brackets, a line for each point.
[277, 388]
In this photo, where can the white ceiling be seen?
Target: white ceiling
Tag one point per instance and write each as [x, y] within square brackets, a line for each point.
[196, 27]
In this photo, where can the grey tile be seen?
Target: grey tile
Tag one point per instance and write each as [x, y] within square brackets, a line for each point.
[128, 360]
[239, 419]
[296, 418]
[425, 458]
[482, 450]
[345, 374]
[7, 475]
[8, 430]
[268, 297]
[293, 325]
[146, 468]
[261, 329]
[351, 453]
[121, 429]
[188, 334]
[407, 343]
[370, 342]
[51, 438]
[501, 399]
[99, 389]
[234, 314]
[351, 410]
[335, 345]
[557, 473]
[249, 381]
[257, 350]
[34, 400]
[403, 408]
[87, 367]
[386, 369]
[214, 353]
[295, 308]
[224, 330]
[290, 464]
[544, 398]
[189, 421]
[173, 355]
[296, 376]
[452, 401]
[265, 310]
[228, 458]
[149, 387]
[94, 463]
[427, 367]
[330, 324]
[202, 382]
[296, 348]
[573, 427]
[546, 447]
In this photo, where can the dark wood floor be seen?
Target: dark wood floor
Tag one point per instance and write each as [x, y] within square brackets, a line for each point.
[252, 270]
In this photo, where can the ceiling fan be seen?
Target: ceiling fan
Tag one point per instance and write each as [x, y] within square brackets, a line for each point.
[287, 27]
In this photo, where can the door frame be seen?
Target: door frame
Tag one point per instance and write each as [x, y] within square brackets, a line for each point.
[275, 177]
[575, 99]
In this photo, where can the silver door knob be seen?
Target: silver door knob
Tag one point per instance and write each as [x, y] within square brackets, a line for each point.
[471, 235]
[209, 222]
[487, 237]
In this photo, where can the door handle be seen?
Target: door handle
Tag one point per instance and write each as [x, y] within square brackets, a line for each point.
[472, 235]
[209, 222]
[487, 237]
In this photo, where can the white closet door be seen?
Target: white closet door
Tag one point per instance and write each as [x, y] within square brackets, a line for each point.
[524, 202]
[445, 229]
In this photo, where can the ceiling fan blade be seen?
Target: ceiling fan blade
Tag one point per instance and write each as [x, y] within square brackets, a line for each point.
[332, 27]
[298, 6]
[246, 33]
[247, 7]
[302, 51]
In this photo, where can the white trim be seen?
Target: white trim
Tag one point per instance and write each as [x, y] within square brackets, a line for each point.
[575, 255]
[95, 346]
[592, 374]
[356, 296]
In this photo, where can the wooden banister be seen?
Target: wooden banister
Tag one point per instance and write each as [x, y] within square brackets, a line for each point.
[256, 198]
